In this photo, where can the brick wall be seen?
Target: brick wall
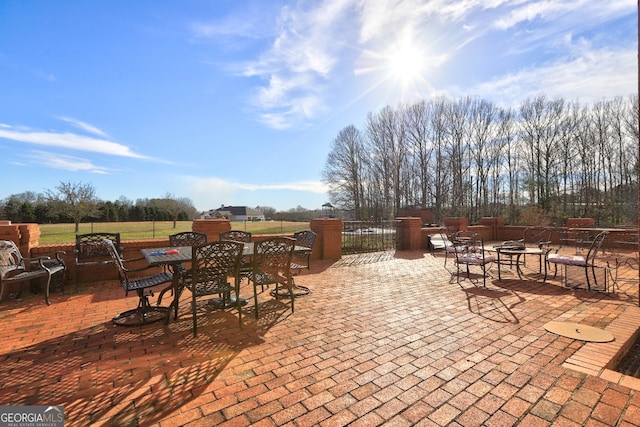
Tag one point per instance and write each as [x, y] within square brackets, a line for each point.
[328, 246]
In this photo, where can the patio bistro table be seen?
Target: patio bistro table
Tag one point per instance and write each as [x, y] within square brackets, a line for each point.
[169, 256]
[176, 255]
[520, 255]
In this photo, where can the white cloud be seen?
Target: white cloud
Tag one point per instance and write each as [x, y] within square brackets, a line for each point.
[68, 140]
[250, 22]
[219, 185]
[590, 76]
[307, 186]
[295, 67]
[208, 193]
[300, 66]
[69, 163]
[301, 57]
[576, 13]
[84, 126]
[45, 76]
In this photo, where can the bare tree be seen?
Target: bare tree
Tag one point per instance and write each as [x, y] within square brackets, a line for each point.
[74, 200]
[175, 206]
[442, 172]
[417, 117]
[541, 121]
[482, 134]
[345, 170]
[459, 154]
[470, 158]
[268, 211]
[385, 131]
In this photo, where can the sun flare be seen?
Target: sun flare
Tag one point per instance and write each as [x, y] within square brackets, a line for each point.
[401, 66]
[406, 65]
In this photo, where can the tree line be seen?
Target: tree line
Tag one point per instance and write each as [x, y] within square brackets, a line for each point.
[538, 163]
[77, 202]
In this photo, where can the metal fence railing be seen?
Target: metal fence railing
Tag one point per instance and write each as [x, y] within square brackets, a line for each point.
[369, 236]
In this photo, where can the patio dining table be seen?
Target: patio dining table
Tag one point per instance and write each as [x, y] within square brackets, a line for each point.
[169, 257]
[175, 256]
[520, 257]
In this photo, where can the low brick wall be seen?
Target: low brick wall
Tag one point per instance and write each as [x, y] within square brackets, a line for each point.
[495, 230]
[485, 231]
[131, 251]
[580, 223]
[328, 245]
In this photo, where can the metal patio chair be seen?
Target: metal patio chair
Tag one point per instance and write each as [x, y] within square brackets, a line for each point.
[212, 266]
[185, 238]
[90, 250]
[144, 312]
[271, 264]
[589, 262]
[302, 257]
[470, 252]
[14, 268]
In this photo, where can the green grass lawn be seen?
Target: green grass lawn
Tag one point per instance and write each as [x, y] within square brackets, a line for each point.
[65, 233]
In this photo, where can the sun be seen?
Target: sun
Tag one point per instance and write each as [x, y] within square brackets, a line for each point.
[401, 66]
[406, 64]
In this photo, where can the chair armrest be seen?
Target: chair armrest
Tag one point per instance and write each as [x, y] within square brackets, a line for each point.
[34, 262]
[55, 255]
[133, 259]
[146, 267]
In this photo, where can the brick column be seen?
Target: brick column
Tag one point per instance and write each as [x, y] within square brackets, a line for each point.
[25, 236]
[211, 227]
[410, 234]
[328, 244]
[496, 223]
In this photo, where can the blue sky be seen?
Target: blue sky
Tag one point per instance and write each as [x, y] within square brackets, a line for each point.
[237, 102]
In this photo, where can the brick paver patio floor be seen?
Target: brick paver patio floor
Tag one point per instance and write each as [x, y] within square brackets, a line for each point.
[383, 339]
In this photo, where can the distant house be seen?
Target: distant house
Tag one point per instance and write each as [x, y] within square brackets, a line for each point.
[234, 213]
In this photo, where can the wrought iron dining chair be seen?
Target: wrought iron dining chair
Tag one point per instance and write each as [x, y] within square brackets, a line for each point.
[537, 237]
[588, 262]
[90, 251]
[187, 238]
[236, 235]
[212, 265]
[144, 312]
[302, 257]
[469, 251]
[271, 264]
[244, 237]
[184, 238]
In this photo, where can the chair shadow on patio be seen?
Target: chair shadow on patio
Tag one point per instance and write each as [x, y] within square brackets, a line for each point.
[135, 375]
[623, 293]
[490, 304]
[473, 277]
